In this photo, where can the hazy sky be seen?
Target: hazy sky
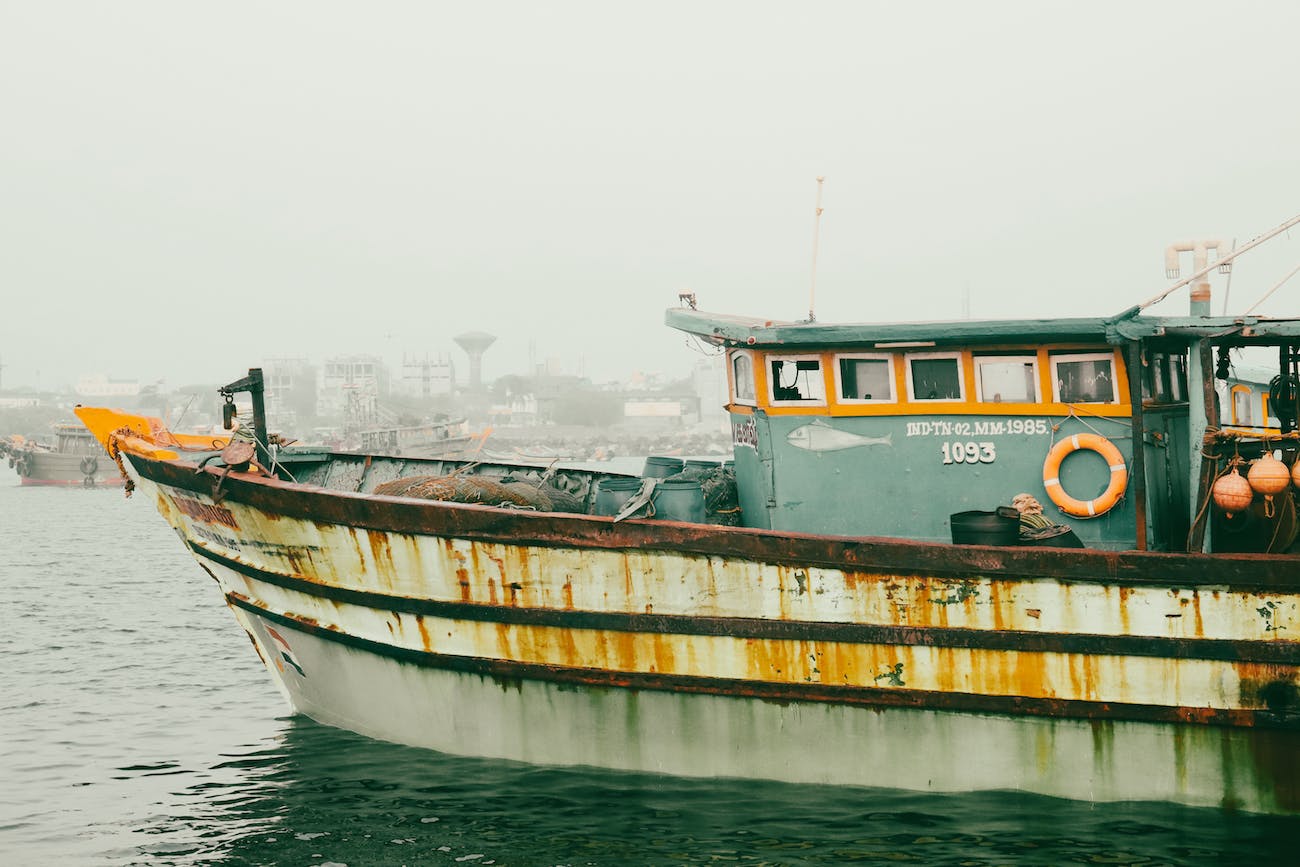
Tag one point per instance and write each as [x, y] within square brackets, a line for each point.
[187, 189]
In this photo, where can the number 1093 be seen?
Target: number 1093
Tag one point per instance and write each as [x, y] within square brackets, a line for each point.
[969, 453]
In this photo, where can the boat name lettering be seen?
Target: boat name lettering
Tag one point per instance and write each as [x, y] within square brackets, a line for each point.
[204, 512]
[745, 433]
[971, 452]
[990, 427]
[214, 537]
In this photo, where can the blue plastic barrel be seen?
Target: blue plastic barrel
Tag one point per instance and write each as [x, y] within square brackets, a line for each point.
[657, 467]
[679, 500]
[612, 495]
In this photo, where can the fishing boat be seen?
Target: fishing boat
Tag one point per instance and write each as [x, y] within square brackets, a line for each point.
[75, 458]
[444, 438]
[964, 556]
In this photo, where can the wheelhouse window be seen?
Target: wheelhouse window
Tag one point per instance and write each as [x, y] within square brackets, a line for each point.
[865, 378]
[742, 378]
[1006, 379]
[1164, 379]
[795, 379]
[935, 376]
[1084, 378]
[1241, 403]
[1270, 420]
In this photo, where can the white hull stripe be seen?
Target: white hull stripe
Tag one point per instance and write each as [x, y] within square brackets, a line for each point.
[1275, 652]
[1012, 705]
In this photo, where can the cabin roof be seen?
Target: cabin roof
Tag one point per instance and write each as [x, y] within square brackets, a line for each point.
[753, 331]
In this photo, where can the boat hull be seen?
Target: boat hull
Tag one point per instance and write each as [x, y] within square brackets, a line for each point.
[709, 735]
[699, 650]
[46, 469]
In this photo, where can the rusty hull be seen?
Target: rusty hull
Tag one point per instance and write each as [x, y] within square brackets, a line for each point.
[1067, 635]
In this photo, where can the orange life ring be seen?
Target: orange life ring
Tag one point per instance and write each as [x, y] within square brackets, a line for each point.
[1108, 498]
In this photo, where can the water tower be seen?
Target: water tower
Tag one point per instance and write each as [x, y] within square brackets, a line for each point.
[475, 343]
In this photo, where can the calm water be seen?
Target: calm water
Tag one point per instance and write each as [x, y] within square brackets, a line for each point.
[137, 727]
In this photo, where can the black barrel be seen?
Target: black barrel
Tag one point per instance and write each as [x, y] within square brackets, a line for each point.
[986, 528]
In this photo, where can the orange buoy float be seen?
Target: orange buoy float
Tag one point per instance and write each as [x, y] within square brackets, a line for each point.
[1268, 476]
[1295, 473]
[1232, 493]
[1108, 498]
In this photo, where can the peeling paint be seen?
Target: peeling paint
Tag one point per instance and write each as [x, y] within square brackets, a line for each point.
[892, 676]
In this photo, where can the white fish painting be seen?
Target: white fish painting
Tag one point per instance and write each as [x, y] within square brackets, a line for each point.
[818, 436]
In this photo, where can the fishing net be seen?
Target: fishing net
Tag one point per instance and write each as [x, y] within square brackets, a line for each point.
[465, 489]
[564, 501]
[721, 500]
[553, 493]
[509, 492]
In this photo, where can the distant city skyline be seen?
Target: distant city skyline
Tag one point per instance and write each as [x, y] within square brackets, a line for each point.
[186, 193]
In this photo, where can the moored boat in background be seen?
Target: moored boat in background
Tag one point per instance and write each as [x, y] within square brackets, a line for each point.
[74, 459]
[447, 438]
[837, 633]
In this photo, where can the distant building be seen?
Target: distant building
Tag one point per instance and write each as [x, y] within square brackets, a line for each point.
[99, 385]
[345, 379]
[654, 413]
[425, 377]
[19, 402]
[522, 411]
[645, 381]
[709, 381]
[290, 391]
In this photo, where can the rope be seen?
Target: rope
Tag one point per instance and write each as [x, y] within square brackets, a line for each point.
[1277, 529]
[1075, 408]
[1271, 291]
[1210, 267]
[1209, 495]
[115, 452]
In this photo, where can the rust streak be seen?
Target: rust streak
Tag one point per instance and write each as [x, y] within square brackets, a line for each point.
[996, 589]
[1125, 594]
[503, 635]
[382, 554]
[462, 576]
[628, 591]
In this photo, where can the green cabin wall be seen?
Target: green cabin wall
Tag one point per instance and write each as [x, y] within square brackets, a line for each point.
[903, 487]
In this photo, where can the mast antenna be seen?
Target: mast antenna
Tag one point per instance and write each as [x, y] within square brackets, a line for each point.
[817, 225]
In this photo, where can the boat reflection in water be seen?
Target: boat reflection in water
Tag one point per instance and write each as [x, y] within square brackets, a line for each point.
[824, 628]
[320, 794]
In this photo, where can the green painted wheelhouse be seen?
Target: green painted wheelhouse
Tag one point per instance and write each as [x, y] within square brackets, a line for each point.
[890, 429]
